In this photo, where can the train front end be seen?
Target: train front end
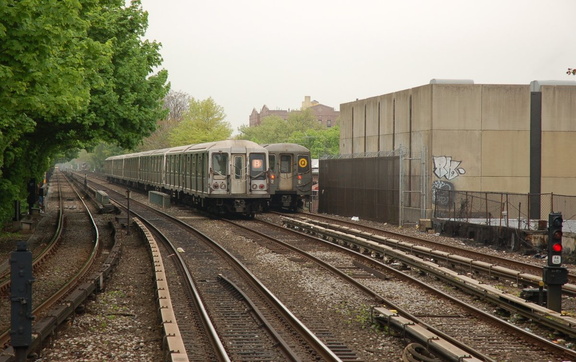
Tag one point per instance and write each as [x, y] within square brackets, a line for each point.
[239, 178]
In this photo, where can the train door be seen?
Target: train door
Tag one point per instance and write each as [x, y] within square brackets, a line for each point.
[273, 172]
[238, 181]
[286, 173]
[195, 172]
[202, 182]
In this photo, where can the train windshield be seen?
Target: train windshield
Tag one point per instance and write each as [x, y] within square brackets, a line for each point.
[258, 166]
[220, 163]
[285, 163]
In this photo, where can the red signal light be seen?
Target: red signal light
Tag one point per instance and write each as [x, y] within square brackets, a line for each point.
[557, 247]
[299, 177]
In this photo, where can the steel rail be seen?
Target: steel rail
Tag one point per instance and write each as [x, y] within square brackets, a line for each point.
[73, 281]
[534, 277]
[45, 252]
[446, 345]
[217, 346]
[310, 337]
[378, 251]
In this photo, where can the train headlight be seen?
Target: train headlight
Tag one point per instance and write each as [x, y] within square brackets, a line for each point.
[215, 186]
[254, 186]
[223, 185]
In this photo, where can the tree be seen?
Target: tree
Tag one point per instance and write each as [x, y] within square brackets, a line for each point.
[203, 122]
[320, 142]
[302, 121]
[72, 74]
[177, 105]
[272, 129]
[100, 153]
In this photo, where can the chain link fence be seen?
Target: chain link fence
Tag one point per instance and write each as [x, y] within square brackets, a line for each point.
[521, 211]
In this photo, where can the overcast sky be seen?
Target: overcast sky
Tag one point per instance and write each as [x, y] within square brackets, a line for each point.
[249, 53]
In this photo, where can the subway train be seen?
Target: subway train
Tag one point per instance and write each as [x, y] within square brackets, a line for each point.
[224, 177]
[290, 176]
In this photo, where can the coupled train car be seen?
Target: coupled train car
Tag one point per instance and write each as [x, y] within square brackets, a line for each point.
[223, 177]
[290, 176]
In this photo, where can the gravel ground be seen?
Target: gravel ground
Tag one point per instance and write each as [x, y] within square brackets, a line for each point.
[120, 323]
[315, 296]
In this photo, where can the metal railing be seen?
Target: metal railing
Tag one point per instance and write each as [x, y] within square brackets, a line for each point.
[521, 211]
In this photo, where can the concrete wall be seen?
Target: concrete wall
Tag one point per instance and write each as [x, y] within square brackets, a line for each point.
[487, 129]
[559, 139]
[471, 137]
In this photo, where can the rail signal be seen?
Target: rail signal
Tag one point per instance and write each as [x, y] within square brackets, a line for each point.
[555, 239]
[553, 274]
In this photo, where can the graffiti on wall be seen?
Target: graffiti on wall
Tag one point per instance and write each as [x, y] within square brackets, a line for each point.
[441, 192]
[446, 167]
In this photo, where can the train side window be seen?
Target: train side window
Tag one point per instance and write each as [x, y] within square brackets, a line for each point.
[220, 163]
[285, 164]
[238, 166]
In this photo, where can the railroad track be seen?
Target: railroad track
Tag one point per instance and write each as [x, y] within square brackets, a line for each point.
[51, 281]
[523, 273]
[490, 341]
[386, 247]
[209, 265]
[492, 336]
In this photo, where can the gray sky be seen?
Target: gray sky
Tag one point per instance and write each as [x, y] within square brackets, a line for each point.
[249, 53]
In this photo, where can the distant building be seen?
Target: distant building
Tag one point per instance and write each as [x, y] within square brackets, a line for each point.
[324, 114]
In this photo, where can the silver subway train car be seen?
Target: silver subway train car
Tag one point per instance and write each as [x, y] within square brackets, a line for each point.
[223, 177]
[290, 176]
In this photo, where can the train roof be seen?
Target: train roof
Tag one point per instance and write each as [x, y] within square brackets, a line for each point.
[285, 147]
[239, 145]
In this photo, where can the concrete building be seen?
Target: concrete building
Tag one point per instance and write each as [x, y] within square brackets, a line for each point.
[323, 113]
[469, 137]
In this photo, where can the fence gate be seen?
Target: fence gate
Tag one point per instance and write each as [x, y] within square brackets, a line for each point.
[365, 187]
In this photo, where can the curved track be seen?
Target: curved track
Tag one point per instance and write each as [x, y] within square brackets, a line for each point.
[209, 265]
[51, 285]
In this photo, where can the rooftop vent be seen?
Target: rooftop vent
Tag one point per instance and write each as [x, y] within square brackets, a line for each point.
[451, 81]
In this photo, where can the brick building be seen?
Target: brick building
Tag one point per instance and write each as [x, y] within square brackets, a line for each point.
[323, 113]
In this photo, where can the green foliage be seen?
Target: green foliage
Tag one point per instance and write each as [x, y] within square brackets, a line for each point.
[100, 153]
[301, 128]
[202, 122]
[72, 74]
[95, 158]
[272, 129]
[303, 121]
[321, 143]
